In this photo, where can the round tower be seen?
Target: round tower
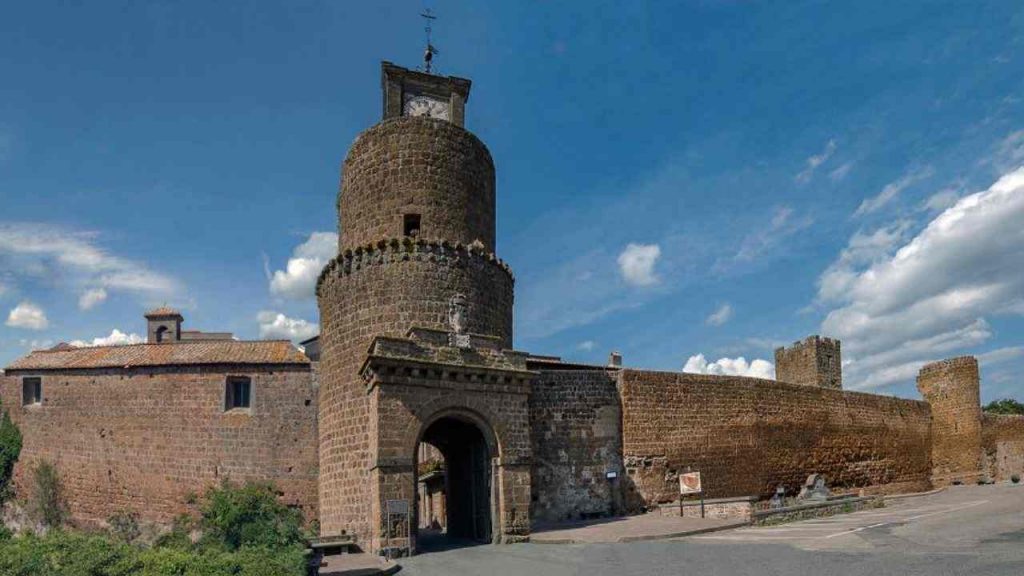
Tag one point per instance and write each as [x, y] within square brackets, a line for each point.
[952, 388]
[416, 214]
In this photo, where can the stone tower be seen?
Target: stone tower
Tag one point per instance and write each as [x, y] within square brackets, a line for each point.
[952, 388]
[416, 215]
[815, 361]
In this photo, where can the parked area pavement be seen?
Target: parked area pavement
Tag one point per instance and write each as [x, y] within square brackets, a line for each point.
[968, 530]
[629, 529]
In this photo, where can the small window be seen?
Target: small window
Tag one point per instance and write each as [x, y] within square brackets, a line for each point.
[31, 391]
[411, 225]
[160, 333]
[238, 393]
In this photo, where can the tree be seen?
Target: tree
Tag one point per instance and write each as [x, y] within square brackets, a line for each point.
[10, 449]
[1004, 406]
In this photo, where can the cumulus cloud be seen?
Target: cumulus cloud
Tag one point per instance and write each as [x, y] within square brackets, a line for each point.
[895, 309]
[116, 338]
[730, 367]
[275, 325]
[892, 190]
[816, 160]
[636, 264]
[91, 298]
[28, 316]
[720, 316]
[40, 249]
[298, 280]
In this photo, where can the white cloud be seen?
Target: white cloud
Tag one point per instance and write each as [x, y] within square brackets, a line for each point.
[730, 367]
[892, 190]
[28, 316]
[36, 344]
[782, 224]
[896, 309]
[720, 316]
[91, 298]
[278, 326]
[840, 172]
[116, 338]
[636, 264]
[298, 280]
[813, 162]
[1010, 152]
[40, 249]
[586, 345]
[1001, 355]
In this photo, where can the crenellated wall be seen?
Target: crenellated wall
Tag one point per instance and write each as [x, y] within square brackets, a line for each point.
[747, 436]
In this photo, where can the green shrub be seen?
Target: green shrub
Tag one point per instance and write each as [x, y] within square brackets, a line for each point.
[1004, 406]
[124, 526]
[62, 553]
[47, 502]
[10, 449]
[250, 515]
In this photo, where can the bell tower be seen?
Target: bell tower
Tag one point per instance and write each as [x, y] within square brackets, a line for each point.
[416, 216]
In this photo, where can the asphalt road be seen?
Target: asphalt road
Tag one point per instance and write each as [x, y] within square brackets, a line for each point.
[975, 530]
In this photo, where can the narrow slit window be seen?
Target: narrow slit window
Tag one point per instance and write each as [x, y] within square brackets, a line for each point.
[31, 391]
[238, 393]
[411, 225]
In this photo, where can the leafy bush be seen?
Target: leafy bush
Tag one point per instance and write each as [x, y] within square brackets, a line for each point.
[1004, 406]
[10, 449]
[47, 502]
[124, 526]
[250, 515]
[62, 553]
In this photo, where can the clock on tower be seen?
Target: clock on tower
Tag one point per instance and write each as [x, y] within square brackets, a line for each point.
[411, 93]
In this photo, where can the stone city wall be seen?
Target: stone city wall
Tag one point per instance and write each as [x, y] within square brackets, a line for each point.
[575, 421]
[146, 440]
[747, 436]
[1003, 445]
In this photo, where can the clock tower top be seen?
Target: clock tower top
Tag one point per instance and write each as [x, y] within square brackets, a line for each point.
[412, 93]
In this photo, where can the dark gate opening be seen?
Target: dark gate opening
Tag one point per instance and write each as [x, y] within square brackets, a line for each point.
[453, 491]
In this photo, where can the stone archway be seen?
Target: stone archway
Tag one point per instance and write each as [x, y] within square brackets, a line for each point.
[465, 483]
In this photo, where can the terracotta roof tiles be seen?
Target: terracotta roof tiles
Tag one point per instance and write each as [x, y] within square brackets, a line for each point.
[200, 352]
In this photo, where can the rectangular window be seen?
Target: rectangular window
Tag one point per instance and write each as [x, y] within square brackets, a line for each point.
[238, 392]
[411, 225]
[31, 391]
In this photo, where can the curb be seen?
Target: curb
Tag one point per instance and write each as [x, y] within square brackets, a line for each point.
[915, 494]
[646, 537]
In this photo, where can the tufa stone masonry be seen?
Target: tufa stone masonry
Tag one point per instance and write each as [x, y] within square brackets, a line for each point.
[413, 413]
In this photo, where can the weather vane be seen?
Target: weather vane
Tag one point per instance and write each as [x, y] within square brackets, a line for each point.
[428, 54]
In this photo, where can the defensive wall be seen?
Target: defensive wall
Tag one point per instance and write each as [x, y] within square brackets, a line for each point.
[1002, 441]
[146, 440]
[575, 430]
[747, 436]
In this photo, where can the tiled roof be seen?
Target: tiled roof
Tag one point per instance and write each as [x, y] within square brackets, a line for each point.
[163, 311]
[170, 354]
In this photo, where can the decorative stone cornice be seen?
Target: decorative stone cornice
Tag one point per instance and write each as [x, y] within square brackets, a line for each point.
[391, 250]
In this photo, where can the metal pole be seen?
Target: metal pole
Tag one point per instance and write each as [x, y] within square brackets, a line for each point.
[701, 503]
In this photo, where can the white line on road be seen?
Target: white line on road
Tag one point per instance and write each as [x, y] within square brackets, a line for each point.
[899, 520]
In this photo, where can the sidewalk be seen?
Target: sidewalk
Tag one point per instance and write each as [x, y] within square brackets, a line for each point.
[629, 529]
[356, 565]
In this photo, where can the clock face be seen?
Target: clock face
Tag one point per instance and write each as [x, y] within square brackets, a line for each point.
[419, 105]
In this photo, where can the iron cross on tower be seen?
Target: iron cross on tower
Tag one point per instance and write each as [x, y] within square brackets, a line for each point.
[428, 54]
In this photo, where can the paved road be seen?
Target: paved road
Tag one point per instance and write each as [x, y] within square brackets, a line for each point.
[976, 530]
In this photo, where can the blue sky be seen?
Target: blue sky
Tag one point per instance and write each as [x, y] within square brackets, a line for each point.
[674, 179]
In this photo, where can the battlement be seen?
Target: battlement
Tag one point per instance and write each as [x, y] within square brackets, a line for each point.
[948, 364]
[813, 361]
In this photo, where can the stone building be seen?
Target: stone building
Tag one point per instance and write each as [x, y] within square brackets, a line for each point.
[415, 363]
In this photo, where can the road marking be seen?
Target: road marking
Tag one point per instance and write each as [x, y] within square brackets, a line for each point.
[900, 520]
